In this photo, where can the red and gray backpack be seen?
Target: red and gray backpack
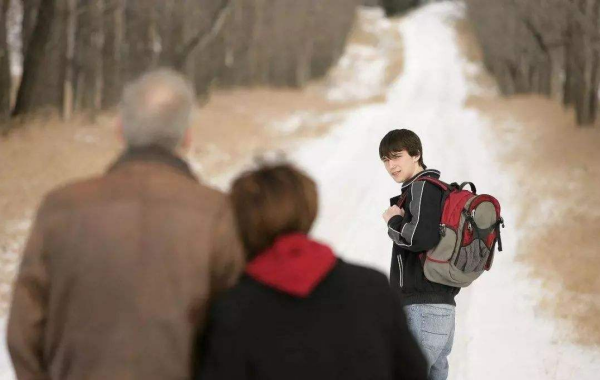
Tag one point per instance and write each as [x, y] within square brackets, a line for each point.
[469, 230]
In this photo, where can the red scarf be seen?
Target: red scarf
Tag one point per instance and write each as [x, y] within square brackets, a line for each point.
[294, 264]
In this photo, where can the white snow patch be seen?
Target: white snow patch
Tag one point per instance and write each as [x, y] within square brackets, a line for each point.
[304, 121]
[19, 225]
[85, 137]
[291, 124]
[369, 68]
[209, 155]
[6, 369]
[361, 72]
[14, 26]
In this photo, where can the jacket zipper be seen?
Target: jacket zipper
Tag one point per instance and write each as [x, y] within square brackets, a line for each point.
[401, 267]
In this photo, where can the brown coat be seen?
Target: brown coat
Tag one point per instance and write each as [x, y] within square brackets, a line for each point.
[113, 270]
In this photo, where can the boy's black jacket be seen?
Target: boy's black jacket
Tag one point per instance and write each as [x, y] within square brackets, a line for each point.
[413, 234]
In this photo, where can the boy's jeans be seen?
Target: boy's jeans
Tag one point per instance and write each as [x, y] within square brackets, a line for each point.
[433, 328]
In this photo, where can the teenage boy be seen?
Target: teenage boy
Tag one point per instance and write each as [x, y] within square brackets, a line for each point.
[414, 228]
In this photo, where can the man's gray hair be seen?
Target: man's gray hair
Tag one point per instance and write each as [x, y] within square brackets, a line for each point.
[156, 109]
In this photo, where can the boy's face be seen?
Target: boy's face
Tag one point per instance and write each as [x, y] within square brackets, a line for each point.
[401, 166]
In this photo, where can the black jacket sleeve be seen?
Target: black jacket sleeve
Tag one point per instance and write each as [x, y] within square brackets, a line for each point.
[219, 352]
[419, 230]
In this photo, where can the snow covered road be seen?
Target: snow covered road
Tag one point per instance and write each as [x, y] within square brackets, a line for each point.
[499, 333]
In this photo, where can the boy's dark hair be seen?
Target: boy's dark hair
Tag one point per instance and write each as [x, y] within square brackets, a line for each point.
[398, 140]
[271, 201]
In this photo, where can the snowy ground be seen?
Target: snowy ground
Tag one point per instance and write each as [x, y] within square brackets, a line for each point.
[500, 333]
[6, 371]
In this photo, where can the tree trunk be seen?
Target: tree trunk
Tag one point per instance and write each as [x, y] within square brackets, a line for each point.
[140, 52]
[33, 58]
[89, 52]
[587, 104]
[112, 54]
[256, 59]
[306, 46]
[30, 11]
[557, 68]
[570, 71]
[69, 61]
[170, 21]
[5, 76]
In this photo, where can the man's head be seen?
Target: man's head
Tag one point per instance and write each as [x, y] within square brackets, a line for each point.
[402, 154]
[156, 110]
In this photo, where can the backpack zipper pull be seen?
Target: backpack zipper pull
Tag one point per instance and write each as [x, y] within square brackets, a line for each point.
[442, 230]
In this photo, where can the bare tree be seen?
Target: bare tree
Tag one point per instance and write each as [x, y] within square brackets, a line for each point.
[583, 65]
[30, 11]
[88, 56]
[33, 57]
[550, 47]
[89, 48]
[5, 76]
[202, 38]
[69, 60]
[112, 54]
[139, 37]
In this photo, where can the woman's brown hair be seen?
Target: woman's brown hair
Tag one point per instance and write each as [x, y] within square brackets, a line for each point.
[271, 201]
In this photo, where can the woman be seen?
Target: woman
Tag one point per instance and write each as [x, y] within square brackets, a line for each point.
[299, 312]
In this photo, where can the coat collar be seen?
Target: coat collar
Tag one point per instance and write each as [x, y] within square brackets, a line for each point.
[152, 154]
[406, 185]
[294, 265]
[425, 173]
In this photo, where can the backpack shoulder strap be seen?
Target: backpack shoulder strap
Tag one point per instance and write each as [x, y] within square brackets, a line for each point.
[442, 185]
[401, 200]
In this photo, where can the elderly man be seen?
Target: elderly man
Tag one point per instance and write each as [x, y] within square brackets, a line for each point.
[118, 270]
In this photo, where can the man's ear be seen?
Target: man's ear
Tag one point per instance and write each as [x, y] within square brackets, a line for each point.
[186, 142]
[119, 129]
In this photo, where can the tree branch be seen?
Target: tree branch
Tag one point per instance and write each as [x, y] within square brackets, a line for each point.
[543, 45]
[583, 20]
[201, 40]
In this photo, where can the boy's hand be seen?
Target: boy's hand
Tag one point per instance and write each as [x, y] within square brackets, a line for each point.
[392, 211]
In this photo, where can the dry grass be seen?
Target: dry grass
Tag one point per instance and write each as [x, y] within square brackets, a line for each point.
[557, 171]
[556, 167]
